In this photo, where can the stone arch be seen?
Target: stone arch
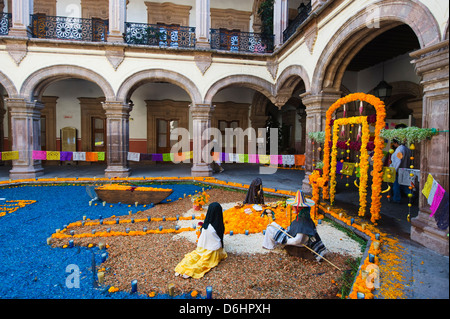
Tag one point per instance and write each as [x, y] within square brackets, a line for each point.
[9, 86]
[291, 76]
[362, 28]
[134, 81]
[34, 86]
[288, 81]
[249, 81]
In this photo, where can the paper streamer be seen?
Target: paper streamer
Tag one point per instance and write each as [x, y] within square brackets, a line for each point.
[432, 192]
[132, 156]
[79, 156]
[66, 156]
[438, 196]
[10, 155]
[53, 156]
[101, 156]
[39, 155]
[427, 187]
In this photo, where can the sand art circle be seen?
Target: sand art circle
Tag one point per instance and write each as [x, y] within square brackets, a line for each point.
[334, 239]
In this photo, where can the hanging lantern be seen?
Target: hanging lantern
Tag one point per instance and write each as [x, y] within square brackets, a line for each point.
[383, 90]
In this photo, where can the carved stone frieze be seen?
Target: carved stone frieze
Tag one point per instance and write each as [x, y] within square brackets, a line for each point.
[272, 67]
[203, 61]
[115, 55]
[311, 36]
[17, 49]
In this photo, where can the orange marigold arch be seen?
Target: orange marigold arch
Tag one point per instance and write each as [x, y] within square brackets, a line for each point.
[377, 158]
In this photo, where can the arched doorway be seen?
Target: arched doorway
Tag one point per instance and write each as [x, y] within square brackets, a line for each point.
[33, 116]
[423, 43]
[162, 102]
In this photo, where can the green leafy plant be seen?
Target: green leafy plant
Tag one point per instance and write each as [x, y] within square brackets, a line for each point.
[318, 137]
[409, 135]
[265, 13]
[319, 165]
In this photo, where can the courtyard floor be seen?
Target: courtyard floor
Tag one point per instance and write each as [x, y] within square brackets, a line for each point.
[422, 273]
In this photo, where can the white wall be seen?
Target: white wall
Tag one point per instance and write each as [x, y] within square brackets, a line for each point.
[68, 104]
[151, 91]
[396, 69]
[68, 8]
[137, 10]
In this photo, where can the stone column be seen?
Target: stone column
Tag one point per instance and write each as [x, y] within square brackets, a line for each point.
[21, 11]
[280, 20]
[117, 19]
[117, 138]
[203, 23]
[316, 108]
[25, 131]
[433, 66]
[201, 120]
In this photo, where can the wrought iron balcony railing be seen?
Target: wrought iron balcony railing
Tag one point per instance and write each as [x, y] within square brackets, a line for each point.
[303, 13]
[68, 28]
[237, 41]
[5, 23]
[159, 35]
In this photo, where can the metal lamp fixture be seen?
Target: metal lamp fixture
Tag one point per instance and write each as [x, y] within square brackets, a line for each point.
[383, 90]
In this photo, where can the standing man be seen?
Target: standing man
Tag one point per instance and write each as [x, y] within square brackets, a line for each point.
[399, 159]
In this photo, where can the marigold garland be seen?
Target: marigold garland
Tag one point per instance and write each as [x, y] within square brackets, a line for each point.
[364, 159]
[317, 182]
[378, 151]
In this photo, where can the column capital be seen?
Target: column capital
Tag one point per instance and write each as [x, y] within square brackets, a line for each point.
[323, 98]
[117, 107]
[19, 105]
[316, 4]
[201, 111]
[432, 63]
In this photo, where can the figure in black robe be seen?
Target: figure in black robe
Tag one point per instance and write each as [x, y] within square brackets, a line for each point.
[302, 232]
[255, 193]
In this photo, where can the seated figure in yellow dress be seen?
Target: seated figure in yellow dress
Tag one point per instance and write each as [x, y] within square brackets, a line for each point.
[210, 250]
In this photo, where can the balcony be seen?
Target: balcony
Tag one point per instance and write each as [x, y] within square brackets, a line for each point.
[5, 23]
[174, 36]
[160, 35]
[303, 14]
[67, 28]
[237, 41]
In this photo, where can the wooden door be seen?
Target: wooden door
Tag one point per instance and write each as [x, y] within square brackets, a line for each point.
[231, 143]
[163, 129]
[98, 129]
